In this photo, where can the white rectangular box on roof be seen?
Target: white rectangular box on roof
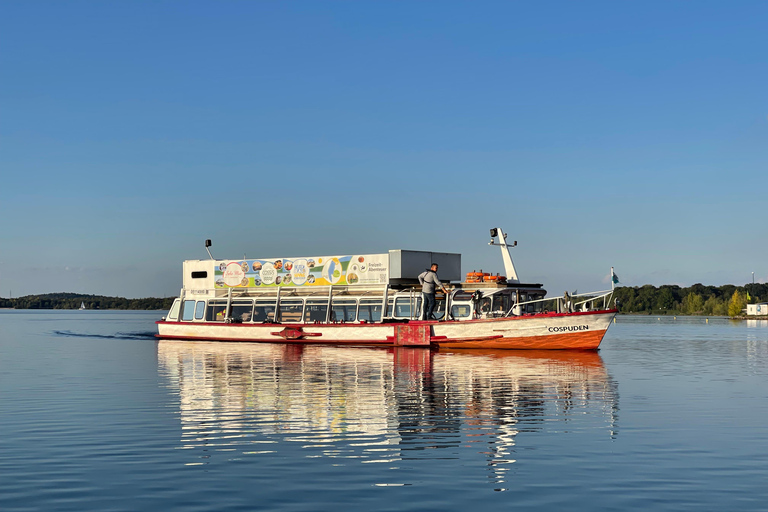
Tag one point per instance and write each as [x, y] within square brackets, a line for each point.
[198, 277]
[409, 264]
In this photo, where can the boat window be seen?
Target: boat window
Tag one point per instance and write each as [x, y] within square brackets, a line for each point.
[462, 296]
[173, 314]
[485, 305]
[199, 275]
[461, 310]
[241, 310]
[536, 307]
[438, 312]
[200, 310]
[403, 307]
[317, 310]
[501, 303]
[343, 310]
[216, 311]
[264, 310]
[188, 311]
[370, 310]
[291, 310]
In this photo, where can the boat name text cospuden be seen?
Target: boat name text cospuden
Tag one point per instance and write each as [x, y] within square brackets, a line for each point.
[569, 328]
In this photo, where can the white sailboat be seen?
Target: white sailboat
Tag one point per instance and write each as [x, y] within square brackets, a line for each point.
[82, 306]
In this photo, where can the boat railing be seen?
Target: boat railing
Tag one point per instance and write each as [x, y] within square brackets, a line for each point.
[567, 304]
[412, 295]
[605, 295]
[276, 294]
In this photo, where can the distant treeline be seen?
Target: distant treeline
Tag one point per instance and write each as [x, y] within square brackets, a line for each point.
[665, 300]
[73, 301]
[726, 300]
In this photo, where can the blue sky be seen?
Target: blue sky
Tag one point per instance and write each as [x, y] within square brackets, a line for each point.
[596, 134]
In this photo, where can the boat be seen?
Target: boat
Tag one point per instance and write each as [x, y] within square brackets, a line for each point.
[82, 306]
[375, 300]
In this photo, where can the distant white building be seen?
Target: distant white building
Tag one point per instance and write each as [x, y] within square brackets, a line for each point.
[757, 309]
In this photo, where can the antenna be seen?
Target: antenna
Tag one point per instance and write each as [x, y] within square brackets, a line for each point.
[207, 245]
[509, 266]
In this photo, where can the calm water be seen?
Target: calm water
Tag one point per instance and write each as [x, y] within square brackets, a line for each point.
[96, 415]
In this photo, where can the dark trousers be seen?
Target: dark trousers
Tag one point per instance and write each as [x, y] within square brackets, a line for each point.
[429, 305]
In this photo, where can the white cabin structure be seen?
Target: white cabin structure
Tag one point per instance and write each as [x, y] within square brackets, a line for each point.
[760, 309]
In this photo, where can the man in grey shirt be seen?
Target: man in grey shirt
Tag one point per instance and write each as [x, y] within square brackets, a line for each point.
[428, 280]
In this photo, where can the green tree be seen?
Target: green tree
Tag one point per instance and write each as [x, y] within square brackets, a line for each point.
[665, 300]
[737, 303]
[693, 304]
[715, 306]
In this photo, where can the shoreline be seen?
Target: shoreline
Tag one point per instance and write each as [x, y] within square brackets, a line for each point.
[675, 315]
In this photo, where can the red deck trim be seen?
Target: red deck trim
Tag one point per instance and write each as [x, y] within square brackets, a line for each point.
[382, 343]
[275, 325]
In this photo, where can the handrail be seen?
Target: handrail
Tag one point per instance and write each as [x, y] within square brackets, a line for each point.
[566, 303]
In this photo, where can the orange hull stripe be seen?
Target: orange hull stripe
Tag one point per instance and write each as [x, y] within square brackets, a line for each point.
[589, 340]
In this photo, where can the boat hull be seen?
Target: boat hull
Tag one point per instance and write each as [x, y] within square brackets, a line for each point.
[570, 331]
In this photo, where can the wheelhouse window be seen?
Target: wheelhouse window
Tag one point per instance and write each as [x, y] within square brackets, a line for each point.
[462, 296]
[173, 314]
[188, 311]
[461, 310]
[343, 310]
[199, 275]
[200, 310]
[501, 303]
[536, 307]
[316, 311]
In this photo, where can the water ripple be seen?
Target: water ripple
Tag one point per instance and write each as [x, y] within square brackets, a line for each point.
[141, 335]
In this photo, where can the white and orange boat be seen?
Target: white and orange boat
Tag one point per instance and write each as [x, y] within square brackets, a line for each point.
[374, 300]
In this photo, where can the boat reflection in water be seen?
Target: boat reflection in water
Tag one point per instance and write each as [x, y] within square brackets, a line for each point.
[381, 405]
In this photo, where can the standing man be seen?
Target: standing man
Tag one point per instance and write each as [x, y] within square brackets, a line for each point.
[428, 280]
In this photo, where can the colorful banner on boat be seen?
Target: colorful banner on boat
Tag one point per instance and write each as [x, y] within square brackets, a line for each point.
[364, 269]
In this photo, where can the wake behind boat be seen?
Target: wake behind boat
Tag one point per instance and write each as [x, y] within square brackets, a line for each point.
[374, 300]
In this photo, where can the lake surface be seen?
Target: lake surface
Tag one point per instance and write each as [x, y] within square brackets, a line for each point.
[95, 414]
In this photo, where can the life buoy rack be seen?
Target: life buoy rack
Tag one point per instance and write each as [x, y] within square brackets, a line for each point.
[484, 277]
[476, 277]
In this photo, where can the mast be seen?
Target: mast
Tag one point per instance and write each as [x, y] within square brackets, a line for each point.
[509, 266]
